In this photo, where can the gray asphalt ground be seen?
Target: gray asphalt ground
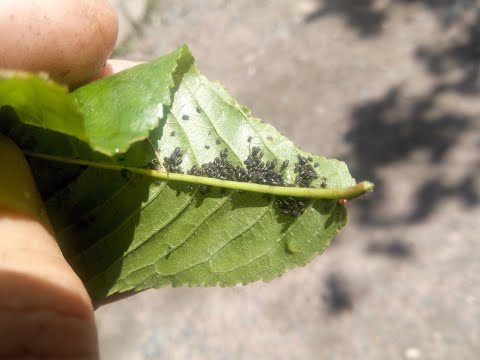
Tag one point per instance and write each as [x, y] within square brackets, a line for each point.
[392, 88]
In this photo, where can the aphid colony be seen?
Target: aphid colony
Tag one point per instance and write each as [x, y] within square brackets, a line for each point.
[305, 176]
[257, 171]
[173, 162]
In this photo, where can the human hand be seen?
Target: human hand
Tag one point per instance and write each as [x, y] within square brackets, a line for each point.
[45, 311]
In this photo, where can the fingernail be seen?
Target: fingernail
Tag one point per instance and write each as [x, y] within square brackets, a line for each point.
[18, 191]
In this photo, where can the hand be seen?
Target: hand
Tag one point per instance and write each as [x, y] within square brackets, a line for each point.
[45, 311]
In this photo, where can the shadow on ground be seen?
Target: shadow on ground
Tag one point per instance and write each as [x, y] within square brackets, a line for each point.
[392, 128]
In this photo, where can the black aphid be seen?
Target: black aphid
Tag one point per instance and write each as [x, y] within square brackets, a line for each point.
[220, 168]
[203, 189]
[154, 164]
[249, 139]
[172, 163]
[260, 172]
[316, 165]
[324, 182]
[284, 166]
[172, 133]
[305, 172]
[310, 158]
[125, 173]
[207, 147]
[185, 117]
[218, 142]
[193, 170]
[199, 110]
[291, 206]
[269, 138]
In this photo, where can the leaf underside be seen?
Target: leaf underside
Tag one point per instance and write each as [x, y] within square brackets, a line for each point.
[122, 231]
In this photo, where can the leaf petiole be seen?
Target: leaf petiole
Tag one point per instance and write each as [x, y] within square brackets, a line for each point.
[312, 193]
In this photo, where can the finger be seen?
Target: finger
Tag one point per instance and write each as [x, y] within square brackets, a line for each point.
[114, 66]
[69, 39]
[45, 310]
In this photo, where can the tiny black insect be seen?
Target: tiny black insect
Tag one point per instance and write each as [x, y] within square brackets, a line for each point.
[172, 163]
[218, 142]
[323, 184]
[203, 189]
[207, 147]
[172, 133]
[154, 164]
[249, 139]
[224, 154]
[185, 117]
[316, 165]
[125, 173]
[284, 166]
[199, 110]
[269, 138]
[310, 158]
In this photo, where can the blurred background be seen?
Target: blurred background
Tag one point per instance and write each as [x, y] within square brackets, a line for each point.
[393, 88]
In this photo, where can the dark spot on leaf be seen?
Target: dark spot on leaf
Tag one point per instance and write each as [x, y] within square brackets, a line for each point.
[249, 139]
[172, 133]
[207, 147]
[218, 142]
[185, 117]
[269, 138]
[199, 110]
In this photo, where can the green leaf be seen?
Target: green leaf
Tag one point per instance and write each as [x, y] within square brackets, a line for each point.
[41, 102]
[121, 109]
[124, 226]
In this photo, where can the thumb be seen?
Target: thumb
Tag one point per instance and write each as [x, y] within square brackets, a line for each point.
[45, 310]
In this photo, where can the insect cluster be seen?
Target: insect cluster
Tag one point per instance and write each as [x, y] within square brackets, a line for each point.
[256, 171]
[172, 163]
[305, 176]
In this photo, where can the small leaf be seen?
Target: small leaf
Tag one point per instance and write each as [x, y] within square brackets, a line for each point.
[41, 102]
[124, 108]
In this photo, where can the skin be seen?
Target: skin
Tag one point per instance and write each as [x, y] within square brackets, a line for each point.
[71, 40]
[45, 311]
